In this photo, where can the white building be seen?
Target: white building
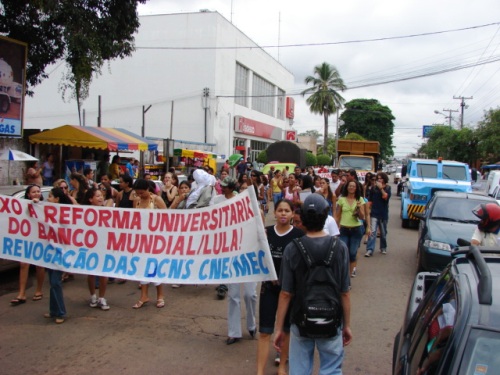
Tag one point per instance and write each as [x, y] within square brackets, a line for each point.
[180, 57]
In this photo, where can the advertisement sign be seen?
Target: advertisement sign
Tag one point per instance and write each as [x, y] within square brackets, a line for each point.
[426, 130]
[13, 55]
[291, 135]
[256, 128]
[290, 107]
[224, 243]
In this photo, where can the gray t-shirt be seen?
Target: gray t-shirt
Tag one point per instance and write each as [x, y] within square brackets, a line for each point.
[318, 248]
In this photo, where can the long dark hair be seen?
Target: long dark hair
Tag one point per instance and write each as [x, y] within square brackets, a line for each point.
[357, 194]
[57, 192]
[82, 186]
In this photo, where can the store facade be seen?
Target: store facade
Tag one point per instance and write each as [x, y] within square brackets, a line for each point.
[205, 80]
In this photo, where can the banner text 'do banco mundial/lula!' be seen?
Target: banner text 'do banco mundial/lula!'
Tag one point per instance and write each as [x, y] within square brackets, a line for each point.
[224, 243]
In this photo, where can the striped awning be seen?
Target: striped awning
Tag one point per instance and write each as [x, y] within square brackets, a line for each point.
[112, 139]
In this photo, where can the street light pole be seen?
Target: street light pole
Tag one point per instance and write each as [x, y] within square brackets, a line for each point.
[143, 132]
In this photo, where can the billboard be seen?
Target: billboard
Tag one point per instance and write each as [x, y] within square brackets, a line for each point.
[426, 130]
[13, 56]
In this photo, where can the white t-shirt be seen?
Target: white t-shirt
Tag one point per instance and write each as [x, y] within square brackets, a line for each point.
[334, 185]
[331, 226]
[485, 239]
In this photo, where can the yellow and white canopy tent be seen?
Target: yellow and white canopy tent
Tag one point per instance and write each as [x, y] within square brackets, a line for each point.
[206, 157]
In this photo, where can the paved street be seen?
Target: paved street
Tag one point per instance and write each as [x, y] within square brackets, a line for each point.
[188, 335]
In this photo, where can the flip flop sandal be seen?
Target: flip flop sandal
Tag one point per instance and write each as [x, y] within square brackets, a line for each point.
[18, 301]
[160, 303]
[139, 304]
[37, 297]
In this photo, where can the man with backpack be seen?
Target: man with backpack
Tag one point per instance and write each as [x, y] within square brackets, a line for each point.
[315, 284]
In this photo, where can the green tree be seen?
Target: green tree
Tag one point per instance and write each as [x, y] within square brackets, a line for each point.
[325, 98]
[330, 150]
[451, 144]
[488, 136]
[324, 160]
[310, 159]
[311, 133]
[372, 120]
[85, 33]
[262, 157]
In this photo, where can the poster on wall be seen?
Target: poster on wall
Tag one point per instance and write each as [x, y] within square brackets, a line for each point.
[13, 55]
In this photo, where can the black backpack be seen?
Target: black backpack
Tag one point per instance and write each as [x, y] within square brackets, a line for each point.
[317, 307]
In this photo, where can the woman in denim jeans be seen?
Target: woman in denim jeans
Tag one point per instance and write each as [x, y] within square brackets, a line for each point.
[349, 215]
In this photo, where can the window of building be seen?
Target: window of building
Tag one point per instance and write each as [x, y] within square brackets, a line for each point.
[280, 114]
[262, 95]
[256, 147]
[241, 87]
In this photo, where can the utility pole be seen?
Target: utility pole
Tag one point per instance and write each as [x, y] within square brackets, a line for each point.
[450, 117]
[462, 104]
[206, 93]
[99, 111]
[143, 132]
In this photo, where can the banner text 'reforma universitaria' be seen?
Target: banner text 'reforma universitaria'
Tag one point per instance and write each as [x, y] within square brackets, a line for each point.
[221, 243]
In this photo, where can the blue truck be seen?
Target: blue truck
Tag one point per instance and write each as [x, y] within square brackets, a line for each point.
[424, 178]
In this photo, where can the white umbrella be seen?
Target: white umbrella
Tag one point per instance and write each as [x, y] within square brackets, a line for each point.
[15, 155]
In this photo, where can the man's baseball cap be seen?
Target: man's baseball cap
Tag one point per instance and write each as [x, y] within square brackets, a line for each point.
[228, 181]
[316, 203]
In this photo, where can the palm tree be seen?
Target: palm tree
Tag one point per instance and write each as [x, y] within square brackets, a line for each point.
[325, 99]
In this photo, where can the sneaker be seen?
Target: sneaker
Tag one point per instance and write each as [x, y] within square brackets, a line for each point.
[175, 286]
[93, 301]
[384, 251]
[103, 304]
[368, 254]
[353, 274]
[277, 359]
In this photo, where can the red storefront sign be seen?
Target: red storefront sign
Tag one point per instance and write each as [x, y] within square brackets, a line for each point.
[291, 135]
[290, 107]
[255, 128]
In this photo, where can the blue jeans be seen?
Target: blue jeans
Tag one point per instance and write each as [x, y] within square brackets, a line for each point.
[374, 224]
[301, 356]
[57, 308]
[352, 238]
[276, 199]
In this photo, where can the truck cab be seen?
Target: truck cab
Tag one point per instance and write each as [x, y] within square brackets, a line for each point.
[361, 156]
[424, 178]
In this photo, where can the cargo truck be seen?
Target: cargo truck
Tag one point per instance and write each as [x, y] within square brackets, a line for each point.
[361, 156]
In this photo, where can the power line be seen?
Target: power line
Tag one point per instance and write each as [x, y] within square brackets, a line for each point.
[325, 43]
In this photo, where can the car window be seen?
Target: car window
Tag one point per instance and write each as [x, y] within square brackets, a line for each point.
[455, 209]
[427, 170]
[481, 353]
[433, 326]
[454, 172]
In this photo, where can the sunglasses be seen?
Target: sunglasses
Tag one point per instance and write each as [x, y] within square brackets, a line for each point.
[103, 189]
[63, 187]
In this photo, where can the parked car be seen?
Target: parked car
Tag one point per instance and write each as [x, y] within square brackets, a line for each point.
[496, 194]
[446, 217]
[452, 319]
[17, 191]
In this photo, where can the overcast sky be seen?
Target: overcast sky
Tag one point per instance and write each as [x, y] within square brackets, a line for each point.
[287, 23]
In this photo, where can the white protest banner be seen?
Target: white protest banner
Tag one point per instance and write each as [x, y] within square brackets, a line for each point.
[224, 243]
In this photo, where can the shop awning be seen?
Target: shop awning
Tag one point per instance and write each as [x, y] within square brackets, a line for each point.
[112, 139]
[194, 154]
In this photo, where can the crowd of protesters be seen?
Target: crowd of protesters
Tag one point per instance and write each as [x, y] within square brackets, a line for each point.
[353, 211]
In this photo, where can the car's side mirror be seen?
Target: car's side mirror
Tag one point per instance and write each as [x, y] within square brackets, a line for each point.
[462, 242]
[419, 215]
